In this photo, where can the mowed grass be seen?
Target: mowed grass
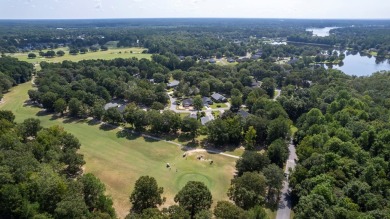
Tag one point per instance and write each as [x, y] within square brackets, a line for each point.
[111, 53]
[119, 159]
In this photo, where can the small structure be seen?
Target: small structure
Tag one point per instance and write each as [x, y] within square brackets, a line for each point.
[212, 61]
[188, 102]
[120, 107]
[293, 61]
[218, 98]
[173, 84]
[207, 101]
[206, 119]
[244, 114]
[230, 60]
[193, 115]
[255, 83]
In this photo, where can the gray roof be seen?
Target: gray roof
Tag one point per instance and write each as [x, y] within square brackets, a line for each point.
[217, 96]
[173, 83]
[193, 115]
[206, 100]
[188, 102]
[206, 119]
[110, 105]
[243, 113]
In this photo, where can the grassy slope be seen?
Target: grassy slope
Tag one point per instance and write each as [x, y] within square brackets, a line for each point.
[119, 160]
[109, 54]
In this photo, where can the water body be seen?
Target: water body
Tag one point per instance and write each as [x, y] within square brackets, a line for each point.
[355, 64]
[321, 32]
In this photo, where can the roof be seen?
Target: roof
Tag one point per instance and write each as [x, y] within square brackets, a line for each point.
[173, 83]
[193, 115]
[212, 61]
[206, 119]
[243, 113]
[188, 102]
[110, 105]
[217, 96]
[206, 100]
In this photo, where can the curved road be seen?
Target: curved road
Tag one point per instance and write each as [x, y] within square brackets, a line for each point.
[284, 209]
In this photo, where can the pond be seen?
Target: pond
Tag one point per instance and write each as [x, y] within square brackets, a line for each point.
[321, 32]
[359, 65]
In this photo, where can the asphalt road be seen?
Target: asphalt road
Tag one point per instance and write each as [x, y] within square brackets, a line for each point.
[284, 210]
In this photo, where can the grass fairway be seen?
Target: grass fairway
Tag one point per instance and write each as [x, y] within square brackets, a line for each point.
[118, 159]
[109, 54]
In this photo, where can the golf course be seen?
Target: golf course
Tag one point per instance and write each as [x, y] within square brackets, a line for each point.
[119, 158]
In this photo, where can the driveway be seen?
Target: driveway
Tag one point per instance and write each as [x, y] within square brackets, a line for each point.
[284, 210]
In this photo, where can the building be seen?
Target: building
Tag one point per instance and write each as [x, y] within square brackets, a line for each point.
[188, 102]
[120, 107]
[218, 98]
[193, 115]
[206, 119]
[212, 61]
[230, 60]
[207, 101]
[173, 84]
[244, 114]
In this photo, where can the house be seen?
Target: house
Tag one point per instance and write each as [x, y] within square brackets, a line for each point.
[206, 119]
[207, 101]
[255, 83]
[244, 114]
[218, 98]
[188, 102]
[193, 115]
[212, 61]
[120, 107]
[293, 61]
[173, 84]
[230, 60]
[255, 57]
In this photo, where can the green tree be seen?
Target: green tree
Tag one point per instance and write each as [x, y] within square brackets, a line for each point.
[251, 161]
[198, 103]
[274, 180]
[60, 53]
[176, 212]
[278, 128]
[278, 152]
[250, 138]
[48, 100]
[257, 213]
[194, 197]
[236, 103]
[83, 50]
[269, 86]
[146, 194]
[60, 106]
[228, 210]
[32, 55]
[248, 190]
[29, 128]
[204, 88]
[190, 125]
[113, 116]
[75, 107]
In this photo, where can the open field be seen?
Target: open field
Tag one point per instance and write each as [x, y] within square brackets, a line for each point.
[109, 54]
[118, 159]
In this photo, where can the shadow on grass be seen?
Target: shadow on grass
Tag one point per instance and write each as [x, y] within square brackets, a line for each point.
[107, 127]
[93, 122]
[43, 113]
[127, 134]
[151, 140]
[75, 120]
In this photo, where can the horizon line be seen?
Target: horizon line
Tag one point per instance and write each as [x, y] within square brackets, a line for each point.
[139, 18]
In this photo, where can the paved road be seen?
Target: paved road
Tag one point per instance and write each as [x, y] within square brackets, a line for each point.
[173, 106]
[284, 210]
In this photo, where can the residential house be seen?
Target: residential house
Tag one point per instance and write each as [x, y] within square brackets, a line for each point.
[206, 119]
[173, 84]
[218, 98]
[187, 102]
[244, 114]
[120, 107]
[207, 101]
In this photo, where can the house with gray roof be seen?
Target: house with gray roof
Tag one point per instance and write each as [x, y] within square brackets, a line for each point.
[173, 84]
[206, 119]
[218, 98]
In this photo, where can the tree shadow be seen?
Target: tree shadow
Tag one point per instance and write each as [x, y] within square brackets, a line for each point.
[43, 113]
[127, 134]
[150, 140]
[107, 127]
[93, 122]
[74, 120]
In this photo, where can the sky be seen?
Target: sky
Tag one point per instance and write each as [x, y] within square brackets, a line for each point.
[81, 9]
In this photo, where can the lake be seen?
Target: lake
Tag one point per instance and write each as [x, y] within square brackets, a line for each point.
[355, 64]
[321, 32]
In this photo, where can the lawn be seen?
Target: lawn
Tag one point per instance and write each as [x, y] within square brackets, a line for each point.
[109, 54]
[119, 159]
